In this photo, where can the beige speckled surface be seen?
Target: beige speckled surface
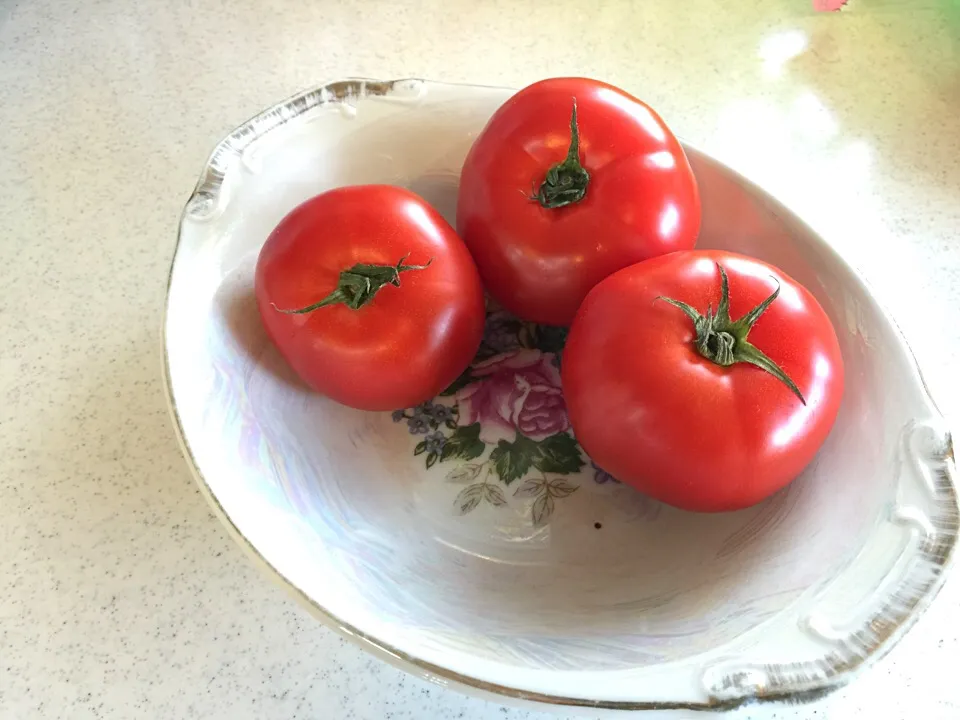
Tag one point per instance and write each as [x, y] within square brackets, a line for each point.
[120, 595]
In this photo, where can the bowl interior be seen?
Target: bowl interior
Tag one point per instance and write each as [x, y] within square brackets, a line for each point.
[343, 505]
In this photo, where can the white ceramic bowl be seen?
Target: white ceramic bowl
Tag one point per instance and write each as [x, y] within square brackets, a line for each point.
[402, 532]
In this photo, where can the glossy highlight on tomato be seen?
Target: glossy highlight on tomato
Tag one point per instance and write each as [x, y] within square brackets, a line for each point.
[571, 180]
[371, 297]
[652, 402]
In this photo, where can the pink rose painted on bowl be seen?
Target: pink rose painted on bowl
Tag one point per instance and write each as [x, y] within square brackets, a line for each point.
[517, 391]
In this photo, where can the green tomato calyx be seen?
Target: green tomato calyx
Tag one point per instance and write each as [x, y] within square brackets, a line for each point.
[566, 182]
[724, 341]
[358, 284]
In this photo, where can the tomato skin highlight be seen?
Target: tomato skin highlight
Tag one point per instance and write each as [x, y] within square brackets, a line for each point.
[405, 345]
[649, 409]
[641, 200]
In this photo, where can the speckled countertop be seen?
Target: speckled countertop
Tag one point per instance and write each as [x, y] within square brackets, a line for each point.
[120, 595]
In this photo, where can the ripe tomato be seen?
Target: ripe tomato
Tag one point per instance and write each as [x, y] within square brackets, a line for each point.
[371, 297]
[570, 181]
[698, 414]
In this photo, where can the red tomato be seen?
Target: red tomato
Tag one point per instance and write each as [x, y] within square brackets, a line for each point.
[371, 297]
[708, 431]
[570, 181]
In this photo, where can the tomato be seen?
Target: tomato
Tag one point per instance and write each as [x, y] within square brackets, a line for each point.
[571, 180]
[371, 297]
[711, 415]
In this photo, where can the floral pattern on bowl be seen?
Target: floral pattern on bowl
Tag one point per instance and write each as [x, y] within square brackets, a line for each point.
[504, 420]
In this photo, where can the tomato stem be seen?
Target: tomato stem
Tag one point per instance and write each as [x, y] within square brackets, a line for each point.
[566, 182]
[724, 341]
[357, 285]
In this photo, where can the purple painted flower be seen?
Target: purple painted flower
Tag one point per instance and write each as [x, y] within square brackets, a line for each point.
[418, 424]
[601, 476]
[500, 333]
[435, 441]
[518, 391]
[441, 413]
[422, 411]
[398, 415]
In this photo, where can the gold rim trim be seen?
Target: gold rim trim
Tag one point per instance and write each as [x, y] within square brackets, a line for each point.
[795, 683]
